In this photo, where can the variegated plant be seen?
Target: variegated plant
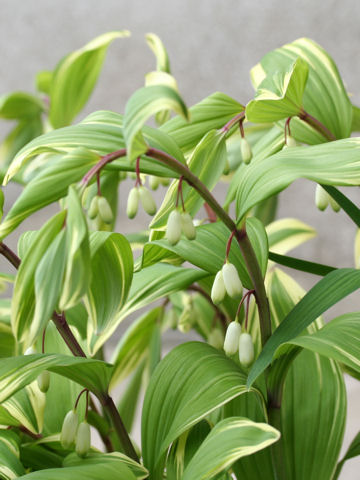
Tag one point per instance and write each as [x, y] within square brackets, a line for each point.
[276, 409]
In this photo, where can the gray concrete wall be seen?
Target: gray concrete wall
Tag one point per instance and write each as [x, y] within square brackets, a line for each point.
[212, 45]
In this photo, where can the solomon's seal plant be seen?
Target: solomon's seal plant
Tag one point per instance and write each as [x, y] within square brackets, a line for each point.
[260, 394]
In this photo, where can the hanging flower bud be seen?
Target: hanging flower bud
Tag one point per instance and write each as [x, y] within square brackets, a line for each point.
[165, 181]
[226, 170]
[246, 152]
[171, 319]
[218, 291]
[132, 203]
[246, 350]
[290, 141]
[216, 338]
[43, 381]
[147, 201]
[105, 211]
[187, 226]
[69, 428]
[334, 205]
[83, 439]
[321, 198]
[154, 182]
[231, 343]
[93, 208]
[233, 285]
[173, 228]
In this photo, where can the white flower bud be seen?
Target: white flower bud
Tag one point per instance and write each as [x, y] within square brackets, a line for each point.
[43, 381]
[147, 201]
[132, 203]
[246, 153]
[216, 338]
[218, 290]
[69, 428]
[154, 182]
[231, 343]
[334, 205]
[173, 228]
[29, 351]
[83, 439]
[187, 226]
[105, 211]
[93, 208]
[232, 281]
[321, 198]
[246, 350]
[290, 141]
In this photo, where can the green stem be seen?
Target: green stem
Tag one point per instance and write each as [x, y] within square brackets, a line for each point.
[74, 346]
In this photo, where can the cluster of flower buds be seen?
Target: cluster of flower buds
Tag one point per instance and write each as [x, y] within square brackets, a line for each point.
[226, 281]
[74, 433]
[235, 341]
[246, 152]
[100, 212]
[154, 182]
[323, 199]
[179, 222]
[142, 194]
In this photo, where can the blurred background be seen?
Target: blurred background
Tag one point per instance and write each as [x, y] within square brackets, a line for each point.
[212, 45]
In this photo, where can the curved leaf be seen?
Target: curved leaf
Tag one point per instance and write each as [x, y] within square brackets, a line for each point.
[140, 107]
[75, 77]
[207, 251]
[20, 105]
[111, 276]
[16, 372]
[229, 440]
[49, 186]
[190, 382]
[328, 291]
[319, 163]
[157, 46]
[288, 233]
[279, 95]
[325, 96]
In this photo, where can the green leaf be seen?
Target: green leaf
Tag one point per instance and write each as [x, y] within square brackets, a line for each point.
[328, 291]
[17, 372]
[157, 46]
[319, 163]
[140, 107]
[48, 282]
[288, 233]
[280, 94]
[48, 186]
[352, 451]
[86, 471]
[207, 251]
[111, 276]
[10, 466]
[20, 105]
[100, 132]
[27, 407]
[149, 285]
[128, 404]
[313, 405]
[211, 113]
[43, 81]
[355, 126]
[345, 203]
[207, 163]
[325, 96]
[301, 265]
[339, 340]
[133, 346]
[77, 261]
[228, 441]
[23, 300]
[75, 77]
[190, 382]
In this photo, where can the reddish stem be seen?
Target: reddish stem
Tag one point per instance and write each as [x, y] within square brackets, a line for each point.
[241, 126]
[137, 170]
[228, 245]
[233, 121]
